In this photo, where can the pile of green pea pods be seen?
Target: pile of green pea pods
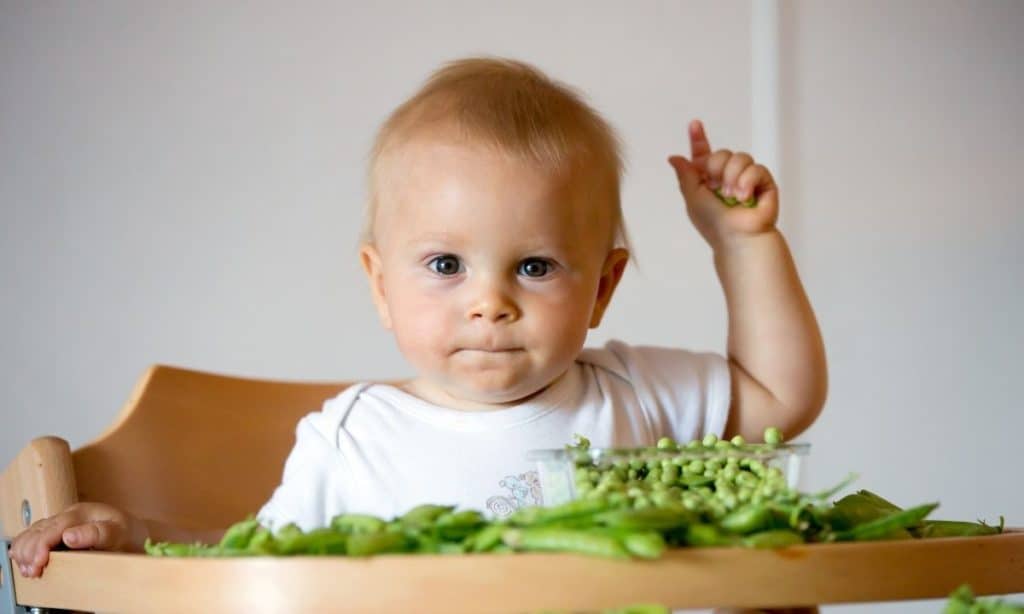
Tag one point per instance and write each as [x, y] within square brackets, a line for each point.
[637, 505]
[734, 498]
[586, 526]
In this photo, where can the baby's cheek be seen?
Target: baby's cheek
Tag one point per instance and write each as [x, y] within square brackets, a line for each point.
[563, 328]
[421, 334]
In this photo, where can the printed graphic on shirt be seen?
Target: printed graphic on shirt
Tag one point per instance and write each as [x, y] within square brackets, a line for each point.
[524, 491]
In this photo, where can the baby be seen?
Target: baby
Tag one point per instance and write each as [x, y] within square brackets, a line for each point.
[494, 241]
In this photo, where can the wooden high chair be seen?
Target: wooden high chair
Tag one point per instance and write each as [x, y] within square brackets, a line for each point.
[200, 450]
[193, 449]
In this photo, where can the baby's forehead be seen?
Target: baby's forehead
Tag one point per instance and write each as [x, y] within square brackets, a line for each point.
[414, 173]
[437, 158]
[436, 146]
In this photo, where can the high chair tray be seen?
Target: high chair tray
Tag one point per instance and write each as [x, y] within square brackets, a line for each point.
[683, 578]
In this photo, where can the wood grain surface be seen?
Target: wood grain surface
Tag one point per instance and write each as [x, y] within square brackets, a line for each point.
[683, 578]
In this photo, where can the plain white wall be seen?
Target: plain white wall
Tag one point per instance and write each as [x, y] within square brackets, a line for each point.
[903, 143]
[182, 183]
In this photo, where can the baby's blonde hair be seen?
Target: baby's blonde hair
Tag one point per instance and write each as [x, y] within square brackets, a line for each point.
[516, 109]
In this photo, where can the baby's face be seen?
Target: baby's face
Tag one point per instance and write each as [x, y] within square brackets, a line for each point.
[489, 272]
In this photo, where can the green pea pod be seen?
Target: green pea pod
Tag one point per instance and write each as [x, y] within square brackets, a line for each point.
[366, 544]
[426, 544]
[708, 535]
[424, 515]
[888, 526]
[651, 518]
[960, 601]
[645, 544]
[526, 516]
[288, 531]
[639, 608]
[262, 542]
[801, 516]
[199, 550]
[963, 601]
[239, 534]
[747, 519]
[953, 528]
[396, 526]
[564, 540]
[451, 548]
[773, 538]
[317, 541]
[859, 508]
[818, 514]
[153, 548]
[459, 525]
[290, 539]
[465, 518]
[536, 515]
[322, 541]
[577, 522]
[168, 549]
[486, 538]
[191, 550]
[456, 533]
[956, 607]
[789, 516]
[878, 501]
[357, 523]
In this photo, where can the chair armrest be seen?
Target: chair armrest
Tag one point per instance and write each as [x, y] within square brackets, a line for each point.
[39, 482]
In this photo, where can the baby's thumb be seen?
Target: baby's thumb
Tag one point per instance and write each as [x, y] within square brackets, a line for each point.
[687, 173]
[101, 535]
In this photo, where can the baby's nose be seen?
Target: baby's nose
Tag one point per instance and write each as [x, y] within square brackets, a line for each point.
[493, 305]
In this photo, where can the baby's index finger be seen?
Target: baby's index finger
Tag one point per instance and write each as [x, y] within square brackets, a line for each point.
[700, 148]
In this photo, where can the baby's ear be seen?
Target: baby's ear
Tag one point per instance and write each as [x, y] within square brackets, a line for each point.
[374, 269]
[611, 272]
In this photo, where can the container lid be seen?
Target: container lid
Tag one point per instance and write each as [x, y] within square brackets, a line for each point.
[757, 451]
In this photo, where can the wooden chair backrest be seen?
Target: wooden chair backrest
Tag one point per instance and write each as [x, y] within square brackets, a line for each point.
[190, 448]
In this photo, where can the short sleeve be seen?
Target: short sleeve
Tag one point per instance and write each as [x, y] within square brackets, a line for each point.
[300, 496]
[685, 395]
[313, 483]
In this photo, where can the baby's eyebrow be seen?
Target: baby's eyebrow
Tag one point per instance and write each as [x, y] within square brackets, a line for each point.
[434, 235]
[442, 239]
[434, 241]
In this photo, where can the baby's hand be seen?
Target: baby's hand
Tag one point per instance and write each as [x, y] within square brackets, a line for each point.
[83, 525]
[737, 177]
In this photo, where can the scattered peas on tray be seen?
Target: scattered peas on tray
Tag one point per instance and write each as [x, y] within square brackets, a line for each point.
[632, 507]
[962, 601]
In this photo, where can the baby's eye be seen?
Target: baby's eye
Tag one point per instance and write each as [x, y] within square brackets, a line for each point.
[535, 267]
[445, 265]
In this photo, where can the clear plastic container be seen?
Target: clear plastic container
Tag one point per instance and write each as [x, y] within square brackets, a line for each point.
[556, 468]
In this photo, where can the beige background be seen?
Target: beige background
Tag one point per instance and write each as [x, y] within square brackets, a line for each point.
[181, 183]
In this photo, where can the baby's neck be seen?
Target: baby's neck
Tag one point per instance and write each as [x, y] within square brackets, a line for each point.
[437, 395]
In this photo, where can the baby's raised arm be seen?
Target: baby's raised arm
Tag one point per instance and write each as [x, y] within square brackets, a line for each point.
[776, 354]
[97, 526]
